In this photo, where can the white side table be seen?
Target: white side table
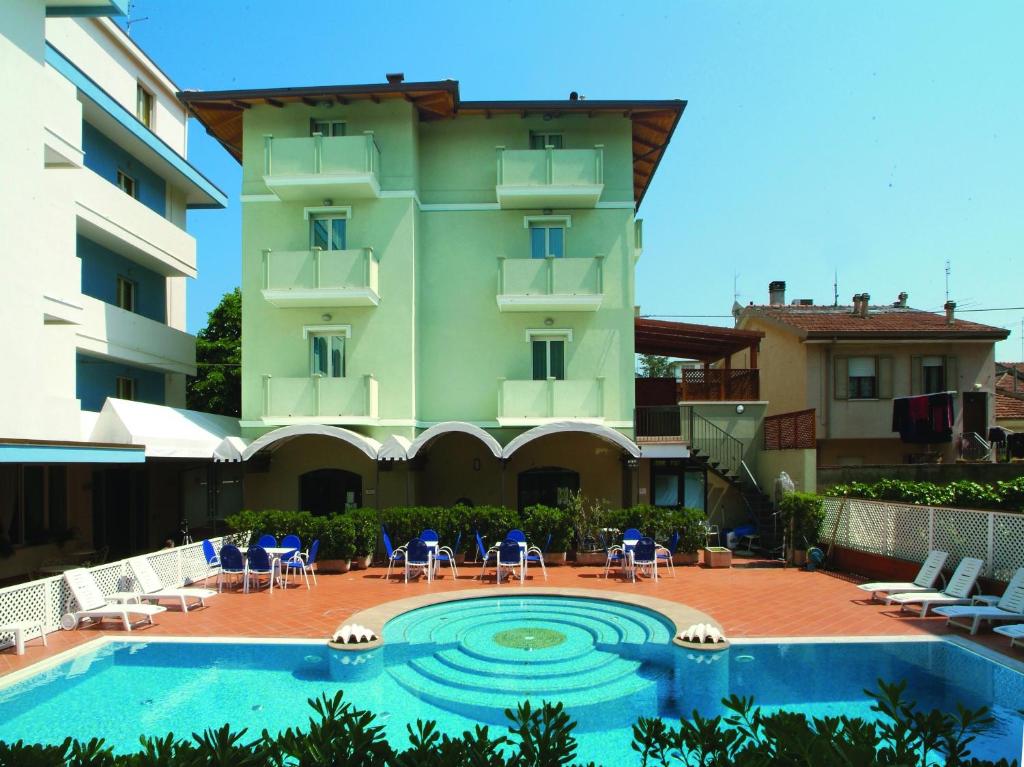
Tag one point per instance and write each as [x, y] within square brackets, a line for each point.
[19, 629]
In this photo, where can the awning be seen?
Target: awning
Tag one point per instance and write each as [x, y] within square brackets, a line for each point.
[39, 451]
[572, 427]
[166, 432]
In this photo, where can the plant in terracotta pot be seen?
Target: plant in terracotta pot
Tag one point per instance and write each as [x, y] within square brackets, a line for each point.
[802, 515]
[541, 521]
[365, 535]
[692, 535]
[337, 536]
[586, 518]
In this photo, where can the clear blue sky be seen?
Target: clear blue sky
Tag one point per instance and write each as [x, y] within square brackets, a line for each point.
[876, 139]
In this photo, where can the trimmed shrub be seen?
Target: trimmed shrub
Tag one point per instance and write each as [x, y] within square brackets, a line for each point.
[803, 514]
[1002, 496]
[539, 521]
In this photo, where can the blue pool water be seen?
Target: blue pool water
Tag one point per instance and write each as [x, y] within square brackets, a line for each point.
[465, 662]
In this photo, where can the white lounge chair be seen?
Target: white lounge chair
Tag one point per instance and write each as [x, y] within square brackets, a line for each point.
[958, 592]
[1015, 632]
[153, 590]
[93, 605]
[925, 580]
[1010, 607]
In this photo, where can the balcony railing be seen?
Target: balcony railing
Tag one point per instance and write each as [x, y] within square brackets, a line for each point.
[681, 423]
[328, 399]
[309, 278]
[550, 178]
[113, 333]
[699, 385]
[345, 167]
[550, 399]
[791, 431]
[550, 284]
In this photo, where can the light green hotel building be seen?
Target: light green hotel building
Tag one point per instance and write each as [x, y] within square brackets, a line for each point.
[438, 295]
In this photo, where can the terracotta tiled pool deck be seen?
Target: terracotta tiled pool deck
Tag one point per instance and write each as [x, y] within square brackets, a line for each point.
[752, 599]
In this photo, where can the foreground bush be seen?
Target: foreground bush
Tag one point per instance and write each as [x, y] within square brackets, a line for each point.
[343, 736]
[1001, 496]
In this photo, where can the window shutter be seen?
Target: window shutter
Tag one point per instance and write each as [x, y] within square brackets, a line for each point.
[557, 360]
[842, 378]
[883, 367]
[916, 375]
[540, 371]
[312, 126]
[952, 375]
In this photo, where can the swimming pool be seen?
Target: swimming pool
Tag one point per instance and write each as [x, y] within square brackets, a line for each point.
[464, 662]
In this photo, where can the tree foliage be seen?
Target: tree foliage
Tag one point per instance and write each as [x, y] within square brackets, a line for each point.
[217, 386]
[655, 366]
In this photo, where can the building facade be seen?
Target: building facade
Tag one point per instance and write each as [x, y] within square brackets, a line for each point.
[96, 260]
[438, 295]
[849, 363]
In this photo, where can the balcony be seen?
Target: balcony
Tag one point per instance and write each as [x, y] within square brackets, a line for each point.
[701, 385]
[550, 284]
[315, 278]
[113, 333]
[62, 123]
[318, 399]
[526, 403]
[320, 167]
[550, 178]
[120, 223]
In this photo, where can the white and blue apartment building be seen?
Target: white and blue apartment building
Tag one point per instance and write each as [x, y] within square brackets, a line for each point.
[97, 455]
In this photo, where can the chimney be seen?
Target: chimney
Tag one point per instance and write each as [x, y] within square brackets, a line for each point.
[777, 292]
[394, 78]
[856, 303]
[901, 300]
[950, 307]
[574, 96]
[865, 302]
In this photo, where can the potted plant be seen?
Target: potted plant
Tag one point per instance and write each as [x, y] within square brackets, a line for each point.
[802, 515]
[366, 530]
[692, 536]
[337, 543]
[585, 520]
[541, 521]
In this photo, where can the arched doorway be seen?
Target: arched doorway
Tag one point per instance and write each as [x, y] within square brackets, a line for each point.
[547, 486]
[324, 491]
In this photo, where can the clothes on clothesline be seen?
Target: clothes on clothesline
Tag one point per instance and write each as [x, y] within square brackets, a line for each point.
[1015, 444]
[924, 419]
[998, 434]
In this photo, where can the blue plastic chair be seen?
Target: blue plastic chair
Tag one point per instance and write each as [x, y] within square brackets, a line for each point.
[302, 562]
[393, 554]
[536, 555]
[484, 553]
[210, 553]
[259, 564]
[267, 541]
[447, 554]
[419, 556]
[645, 556]
[291, 542]
[664, 553]
[516, 535]
[510, 555]
[619, 554]
[231, 563]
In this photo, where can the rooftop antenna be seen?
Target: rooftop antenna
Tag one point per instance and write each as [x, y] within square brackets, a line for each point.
[835, 288]
[948, 270]
[130, 20]
[735, 287]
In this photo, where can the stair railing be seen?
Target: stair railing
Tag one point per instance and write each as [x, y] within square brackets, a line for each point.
[711, 440]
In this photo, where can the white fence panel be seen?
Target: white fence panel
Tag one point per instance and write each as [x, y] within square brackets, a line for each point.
[906, 531]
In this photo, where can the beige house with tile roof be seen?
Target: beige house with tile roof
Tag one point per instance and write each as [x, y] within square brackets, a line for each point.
[849, 362]
[1009, 402]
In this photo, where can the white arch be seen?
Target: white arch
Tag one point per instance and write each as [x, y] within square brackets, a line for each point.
[394, 448]
[370, 447]
[449, 427]
[606, 433]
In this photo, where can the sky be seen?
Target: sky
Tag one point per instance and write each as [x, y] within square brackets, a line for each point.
[870, 142]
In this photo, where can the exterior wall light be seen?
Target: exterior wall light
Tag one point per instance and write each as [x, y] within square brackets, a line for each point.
[740, 408]
[325, 317]
[549, 321]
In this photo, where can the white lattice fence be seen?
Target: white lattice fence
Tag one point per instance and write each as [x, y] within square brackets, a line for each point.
[48, 599]
[906, 531]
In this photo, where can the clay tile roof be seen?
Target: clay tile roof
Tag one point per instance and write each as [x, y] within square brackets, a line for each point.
[882, 322]
[1008, 405]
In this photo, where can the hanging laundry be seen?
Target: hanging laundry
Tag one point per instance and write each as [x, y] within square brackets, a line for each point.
[924, 419]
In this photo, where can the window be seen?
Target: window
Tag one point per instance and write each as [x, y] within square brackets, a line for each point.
[863, 381]
[327, 232]
[144, 105]
[35, 501]
[545, 140]
[125, 293]
[127, 183]
[327, 127]
[125, 388]
[547, 240]
[933, 374]
[676, 483]
[328, 355]
[548, 358]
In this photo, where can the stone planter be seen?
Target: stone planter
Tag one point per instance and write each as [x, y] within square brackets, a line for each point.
[591, 558]
[717, 556]
[362, 562]
[460, 559]
[333, 565]
[685, 558]
[556, 558]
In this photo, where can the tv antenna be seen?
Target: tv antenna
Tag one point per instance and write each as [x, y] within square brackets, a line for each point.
[835, 288]
[948, 270]
[130, 21]
[735, 288]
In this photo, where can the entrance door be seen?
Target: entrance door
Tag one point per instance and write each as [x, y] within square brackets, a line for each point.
[547, 486]
[325, 491]
[975, 415]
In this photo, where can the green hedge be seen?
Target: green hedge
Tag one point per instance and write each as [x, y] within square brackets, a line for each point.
[1001, 496]
[357, 532]
[802, 514]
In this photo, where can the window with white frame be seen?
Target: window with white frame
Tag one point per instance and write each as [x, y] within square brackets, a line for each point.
[547, 348]
[933, 374]
[126, 293]
[327, 231]
[543, 140]
[547, 239]
[327, 127]
[124, 388]
[863, 378]
[127, 184]
[327, 354]
[144, 105]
